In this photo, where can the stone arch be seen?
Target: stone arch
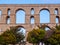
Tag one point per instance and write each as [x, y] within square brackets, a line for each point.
[45, 9]
[56, 11]
[57, 19]
[22, 29]
[0, 14]
[9, 11]
[47, 28]
[43, 12]
[8, 20]
[32, 20]
[32, 11]
[20, 16]
[0, 30]
[20, 26]
[19, 9]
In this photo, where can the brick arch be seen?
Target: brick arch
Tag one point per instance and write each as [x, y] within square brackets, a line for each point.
[22, 17]
[21, 27]
[56, 9]
[0, 12]
[45, 9]
[48, 27]
[31, 10]
[32, 17]
[19, 9]
[44, 16]
[58, 19]
[7, 17]
[8, 11]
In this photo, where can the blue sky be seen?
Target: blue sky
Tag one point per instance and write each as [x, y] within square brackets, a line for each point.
[29, 1]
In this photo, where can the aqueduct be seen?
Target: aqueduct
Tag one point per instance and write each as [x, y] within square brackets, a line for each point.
[27, 8]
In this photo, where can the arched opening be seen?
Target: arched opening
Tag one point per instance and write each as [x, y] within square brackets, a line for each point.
[32, 11]
[57, 19]
[20, 16]
[56, 11]
[8, 12]
[44, 16]
[22, 31]
[0, 14]
[47, 28]
[0, 30]
[32, 20]
[8, 20]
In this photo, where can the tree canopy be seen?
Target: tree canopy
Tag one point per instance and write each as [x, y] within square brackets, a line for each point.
[35, 36]
[11, 36]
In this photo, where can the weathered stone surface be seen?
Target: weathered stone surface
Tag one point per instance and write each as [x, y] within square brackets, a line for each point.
[27, 8]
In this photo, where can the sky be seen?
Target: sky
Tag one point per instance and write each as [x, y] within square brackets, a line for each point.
[29, 1]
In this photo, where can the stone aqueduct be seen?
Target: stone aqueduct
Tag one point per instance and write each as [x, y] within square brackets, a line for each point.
[27, 8]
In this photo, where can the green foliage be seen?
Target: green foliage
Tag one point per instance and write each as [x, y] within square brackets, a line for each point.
[54, 39]
[1, 40]
[19, 36]
[11, 36]
[36, 35]
[57, 27]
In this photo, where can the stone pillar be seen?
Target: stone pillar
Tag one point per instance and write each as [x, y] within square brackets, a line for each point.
[52, 16]
[12, 16]
[12, 19]
[27, 18]
[59, 11]
[37, 16]
[37, 20]
[4, 18]
[59, 19]
[59, 14]
[4, 15]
